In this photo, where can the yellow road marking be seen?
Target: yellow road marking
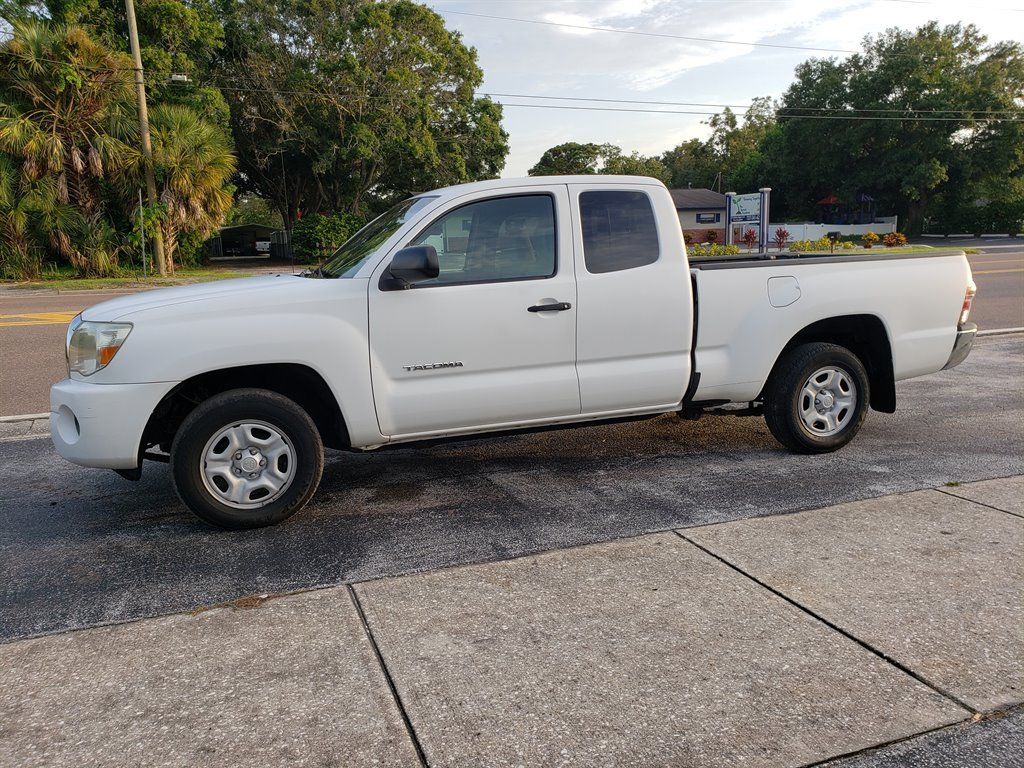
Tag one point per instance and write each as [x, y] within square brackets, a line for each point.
[997, 271]
[36, 318]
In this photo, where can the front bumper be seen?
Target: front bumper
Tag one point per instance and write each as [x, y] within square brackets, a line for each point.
[101, 425]
[962, 346]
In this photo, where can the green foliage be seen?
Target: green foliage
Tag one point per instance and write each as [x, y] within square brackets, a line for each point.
[316, 237]
[175, 36]
[821, 244]
[249, 209]
[387, 105]
[728, 159]
[917, 169]
[69, 133]
[573, 158]
[64, 108]
[711, 251]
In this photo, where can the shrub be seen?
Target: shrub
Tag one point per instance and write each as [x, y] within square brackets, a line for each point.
[711, 236]
[848, 245]
[688, 238]
[750, 238]
[713, 251]
[894, 239]
[801, 246]
[822, 244]
[315, 237]
[869, 239]
[781, 236]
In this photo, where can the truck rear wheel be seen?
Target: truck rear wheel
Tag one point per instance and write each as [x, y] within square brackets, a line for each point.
[246, 458]
[817, 398]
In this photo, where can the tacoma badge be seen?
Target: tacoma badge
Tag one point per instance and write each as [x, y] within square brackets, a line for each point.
[431, 366]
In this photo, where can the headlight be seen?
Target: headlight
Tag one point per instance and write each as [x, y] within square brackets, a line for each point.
[91, 346]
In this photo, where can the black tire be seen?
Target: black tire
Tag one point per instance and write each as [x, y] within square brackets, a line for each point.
[241, 405]
[783, 397]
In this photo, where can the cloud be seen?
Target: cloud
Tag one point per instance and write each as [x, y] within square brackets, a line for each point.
[548, 60]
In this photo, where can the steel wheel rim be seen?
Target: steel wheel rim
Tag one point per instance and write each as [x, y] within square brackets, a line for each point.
[247, 464]
[827, 401]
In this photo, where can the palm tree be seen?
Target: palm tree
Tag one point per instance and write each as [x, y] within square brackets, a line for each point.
[65, 103]
[193, 163]
[31, 213]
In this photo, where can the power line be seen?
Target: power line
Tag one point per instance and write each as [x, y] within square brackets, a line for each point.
[967, 114]
[785, 117]
[688, 38]
[750, 106]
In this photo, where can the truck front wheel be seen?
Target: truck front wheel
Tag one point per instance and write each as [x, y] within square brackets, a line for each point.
[816, 398]
[246, 458]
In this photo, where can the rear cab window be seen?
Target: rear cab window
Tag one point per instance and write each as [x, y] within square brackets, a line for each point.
[619, 230]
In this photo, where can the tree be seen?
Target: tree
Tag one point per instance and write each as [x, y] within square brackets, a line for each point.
[573, 158]
[636, 164]
[249, 209]
[65, 102]
[343, 105]
[193, 163]
[179, 37]
[716, 162]
[914, 167]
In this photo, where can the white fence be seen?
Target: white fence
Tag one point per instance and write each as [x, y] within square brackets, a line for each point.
[810, 231]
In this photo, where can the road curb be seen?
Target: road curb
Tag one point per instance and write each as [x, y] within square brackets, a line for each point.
[24, 426]
[1000, 331]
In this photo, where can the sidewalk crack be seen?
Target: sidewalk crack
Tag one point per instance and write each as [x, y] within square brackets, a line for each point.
[835, 627]
[406, 721]
[979, 503]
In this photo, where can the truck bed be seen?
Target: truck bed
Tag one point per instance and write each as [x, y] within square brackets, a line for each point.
[748, 308]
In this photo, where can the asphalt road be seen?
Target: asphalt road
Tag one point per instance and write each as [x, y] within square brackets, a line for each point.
[32, 329]
[83, 547]
[32, 325]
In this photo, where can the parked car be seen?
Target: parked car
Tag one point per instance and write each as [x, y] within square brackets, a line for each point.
[502, 305]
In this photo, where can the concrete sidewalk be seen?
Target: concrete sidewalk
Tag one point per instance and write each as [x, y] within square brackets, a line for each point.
[779, 641]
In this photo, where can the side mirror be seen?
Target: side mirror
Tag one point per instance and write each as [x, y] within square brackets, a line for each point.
[411, 265]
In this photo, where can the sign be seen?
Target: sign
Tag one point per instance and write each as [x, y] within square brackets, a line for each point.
[262, 246]
[746, 207]
[749, 209]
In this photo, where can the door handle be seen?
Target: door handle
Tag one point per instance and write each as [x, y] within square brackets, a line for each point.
[560, 306]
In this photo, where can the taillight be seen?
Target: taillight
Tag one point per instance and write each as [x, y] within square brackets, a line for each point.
[965, 310]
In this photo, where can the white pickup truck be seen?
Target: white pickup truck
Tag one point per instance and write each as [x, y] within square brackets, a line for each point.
[502, 305]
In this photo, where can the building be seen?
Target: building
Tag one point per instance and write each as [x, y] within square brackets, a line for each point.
[700, 210]
[247, 241]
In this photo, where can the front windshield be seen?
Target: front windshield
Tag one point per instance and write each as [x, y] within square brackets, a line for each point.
[347, 260]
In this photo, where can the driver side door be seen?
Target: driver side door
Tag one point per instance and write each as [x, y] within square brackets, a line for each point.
[492, 340]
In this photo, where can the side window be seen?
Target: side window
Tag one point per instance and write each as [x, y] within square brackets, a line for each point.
[618, 230]
[505, 238]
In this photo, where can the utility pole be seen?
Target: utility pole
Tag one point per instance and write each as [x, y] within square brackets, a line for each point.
[147, 147]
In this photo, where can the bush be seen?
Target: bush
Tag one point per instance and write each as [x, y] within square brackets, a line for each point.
[801, 246]
[894, 239]
[712, 251]
[711, 236]
[750, 238]
[688, 238]
[847, 245]
[869, 239]
[781, 236]
[315, 237]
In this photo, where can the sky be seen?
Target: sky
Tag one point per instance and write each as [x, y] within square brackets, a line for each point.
[547, 60]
